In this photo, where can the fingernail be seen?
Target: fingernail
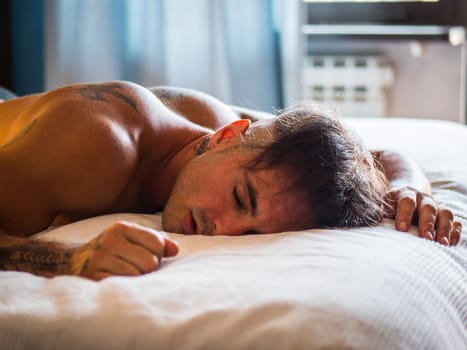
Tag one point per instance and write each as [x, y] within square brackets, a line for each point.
[428, 235]
[403, 226]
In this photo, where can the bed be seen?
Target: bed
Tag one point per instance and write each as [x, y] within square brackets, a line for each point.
[362, 288]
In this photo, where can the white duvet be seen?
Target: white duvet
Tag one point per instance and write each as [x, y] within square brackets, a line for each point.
[366, 288]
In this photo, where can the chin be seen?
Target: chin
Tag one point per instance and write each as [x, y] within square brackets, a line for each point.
[165, 221]
[169, 222]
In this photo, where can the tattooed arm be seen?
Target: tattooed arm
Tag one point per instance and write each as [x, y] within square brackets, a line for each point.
[40, 258]
[121, 249]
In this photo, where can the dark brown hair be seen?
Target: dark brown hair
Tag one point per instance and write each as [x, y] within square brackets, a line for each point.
[329, 166]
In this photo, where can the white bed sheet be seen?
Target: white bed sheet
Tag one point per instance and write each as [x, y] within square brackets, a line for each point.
[365, 288]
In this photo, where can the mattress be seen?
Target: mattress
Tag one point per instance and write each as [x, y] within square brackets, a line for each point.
[361, 288]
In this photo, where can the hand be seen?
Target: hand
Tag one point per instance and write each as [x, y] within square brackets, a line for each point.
[408, 205]
[122, 249]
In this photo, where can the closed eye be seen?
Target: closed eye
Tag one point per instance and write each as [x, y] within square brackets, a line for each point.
[238, 202]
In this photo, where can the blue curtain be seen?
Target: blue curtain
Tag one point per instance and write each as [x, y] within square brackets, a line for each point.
[27, 45]
[227, 48]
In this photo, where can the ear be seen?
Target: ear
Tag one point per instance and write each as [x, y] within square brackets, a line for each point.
[229, 132]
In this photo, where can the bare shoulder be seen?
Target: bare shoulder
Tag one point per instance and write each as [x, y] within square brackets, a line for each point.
[73, 149]
[119, 94]
[89, 118]
[196, 106]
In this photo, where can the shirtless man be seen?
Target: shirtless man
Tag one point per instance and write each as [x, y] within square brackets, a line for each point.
[90, 149]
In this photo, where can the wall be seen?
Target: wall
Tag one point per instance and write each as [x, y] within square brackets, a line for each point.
[429, 86]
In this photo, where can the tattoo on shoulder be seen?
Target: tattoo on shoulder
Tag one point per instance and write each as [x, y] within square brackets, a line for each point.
[99, 92]
[168, 95]
[21, 134]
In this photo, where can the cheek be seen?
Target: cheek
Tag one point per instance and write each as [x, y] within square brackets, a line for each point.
[210, 192]
[206, 184]
[195, 187]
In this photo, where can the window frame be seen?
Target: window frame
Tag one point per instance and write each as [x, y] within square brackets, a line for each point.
[444, 12]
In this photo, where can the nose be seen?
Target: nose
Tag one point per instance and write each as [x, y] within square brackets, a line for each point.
[231, 224]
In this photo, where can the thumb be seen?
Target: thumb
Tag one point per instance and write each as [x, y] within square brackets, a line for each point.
[171, 247]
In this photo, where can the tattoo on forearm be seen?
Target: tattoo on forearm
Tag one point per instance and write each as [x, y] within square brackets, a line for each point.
[21, 134]
[80, 260]
[97, 93]
[41, 258]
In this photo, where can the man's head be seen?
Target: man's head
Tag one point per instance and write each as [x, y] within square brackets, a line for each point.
[328, 165]
[302, 169]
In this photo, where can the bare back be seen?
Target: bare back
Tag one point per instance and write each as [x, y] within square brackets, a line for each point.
[89, 149]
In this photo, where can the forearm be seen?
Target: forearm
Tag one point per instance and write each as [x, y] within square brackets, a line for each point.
[40, 258]
[401, 171]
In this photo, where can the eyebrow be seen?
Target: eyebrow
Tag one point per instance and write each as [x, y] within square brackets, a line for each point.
[252, 194]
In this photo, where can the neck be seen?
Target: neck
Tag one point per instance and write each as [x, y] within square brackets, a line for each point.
[188, 152]
[164, 172]
[202, 146]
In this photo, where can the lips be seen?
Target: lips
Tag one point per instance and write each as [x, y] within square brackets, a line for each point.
[189, 225]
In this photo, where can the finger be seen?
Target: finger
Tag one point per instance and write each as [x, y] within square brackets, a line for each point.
[141, 258]
[456, 232]
[427, 214]
[107, 263]
[143, 236]
[406, 206]
[100, 276]
[171, 247]
[444, 226]
[116, 266]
